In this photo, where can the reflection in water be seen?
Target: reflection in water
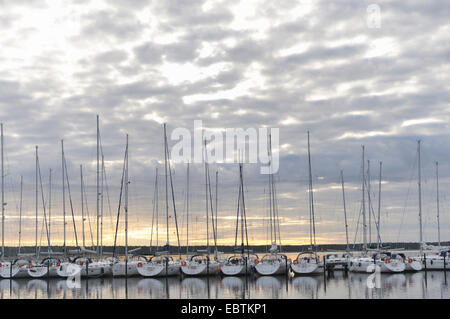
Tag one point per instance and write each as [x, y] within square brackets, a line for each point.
[306, 286]
[334, 285]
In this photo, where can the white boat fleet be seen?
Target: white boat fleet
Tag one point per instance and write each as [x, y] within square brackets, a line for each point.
[94, 263]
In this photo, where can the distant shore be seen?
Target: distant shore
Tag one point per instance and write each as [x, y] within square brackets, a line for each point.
[145, 250]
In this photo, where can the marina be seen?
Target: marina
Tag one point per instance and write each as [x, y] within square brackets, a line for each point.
[224, 150]
[332, 285]
[244, 271]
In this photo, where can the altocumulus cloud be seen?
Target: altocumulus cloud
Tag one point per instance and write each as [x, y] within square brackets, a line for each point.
[296, 65]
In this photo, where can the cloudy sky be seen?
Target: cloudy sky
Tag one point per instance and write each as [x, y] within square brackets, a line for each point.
[329, 68]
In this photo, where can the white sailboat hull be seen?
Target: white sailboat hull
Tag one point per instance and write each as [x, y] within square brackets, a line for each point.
[200, 269]
[274, 268]
[94, 269]
[366, 265]
[235, 270]
[151, 269]
[305, 268]
[118, 269]
[395, 266]
[43, 271]
[413, 265]
[16, 271]
[437, 263]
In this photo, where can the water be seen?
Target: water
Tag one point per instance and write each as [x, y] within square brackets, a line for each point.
[337, 285]
[422, 285]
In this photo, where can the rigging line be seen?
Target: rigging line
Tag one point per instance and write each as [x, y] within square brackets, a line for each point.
[107, 189]
[407, 197]
[120, 201]
[43, 204]
[275, 195]
[237, 216]
[153, 209]
[173, 200]
[245, 213]
[357, 226]
[87, 212]
[212, 211]
[371, 210]
[183, 214]
[70, 201]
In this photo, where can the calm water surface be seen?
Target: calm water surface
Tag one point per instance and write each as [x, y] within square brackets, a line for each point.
[433, 284]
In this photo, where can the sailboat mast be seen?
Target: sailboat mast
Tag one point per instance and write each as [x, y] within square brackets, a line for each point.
[157, 208]
[420, 196]
[311, 198]
[98, 184]
[82, 205]
[379, 206]
[126, 206]
[63, 193]
[206, 201]
[274, 216]
[187, 210]
[369, 203]
[217, 199]
[167, 190]
[49, 205]
[36, 231]
[437, 204]
[364, 204]
[345, 211]
[101, 205]
[20, 213]
[3, 194]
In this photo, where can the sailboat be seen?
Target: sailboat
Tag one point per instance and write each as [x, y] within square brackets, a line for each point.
[240, 264]
[162, 264]
[81, 264]
[273, 263]
[127, 268]
[431, 261]
[200, 264]
[334, 261]
[16, 268]
[49, 266]
[308, 263]
[386, 261]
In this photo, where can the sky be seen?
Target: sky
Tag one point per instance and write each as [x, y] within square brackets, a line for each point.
[349, 75]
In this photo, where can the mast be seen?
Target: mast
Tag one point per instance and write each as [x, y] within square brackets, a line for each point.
[311, 201]
[167, 190]
[82, 206]
[101, 205]
[36, 235]
[98, 184]
[216, 202]
[370, 202]
[379, 206]
[364, 204]
[49, 206]
[187, 210]
[345, 212]
[157, 208]
[126, 207]
[20, 214]
[206, 201]
[437, 204]
[419, 183]
[3, 194]
[63, 193]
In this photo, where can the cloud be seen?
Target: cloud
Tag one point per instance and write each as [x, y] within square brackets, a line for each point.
[295, 65]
